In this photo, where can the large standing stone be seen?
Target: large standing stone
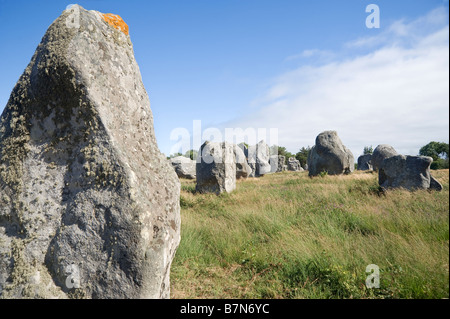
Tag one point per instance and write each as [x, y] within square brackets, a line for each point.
[277, 163]
[365, 162]
[409, 172]
[251, 162]
[244, 149]
[89, 207]
[380, 153]
[262, 159]
[253, 169]
[216, 168]
[258, 159]
[294, 165]
[243, 170]
[330, 155]
[184, 167]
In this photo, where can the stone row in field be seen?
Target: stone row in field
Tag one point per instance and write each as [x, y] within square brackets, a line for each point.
[218, 164]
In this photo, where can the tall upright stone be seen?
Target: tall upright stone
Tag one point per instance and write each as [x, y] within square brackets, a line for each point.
[243, 170]
[277, 163]
[89, 206]
[258, 159]
[293, 164]
[216, 168]
[365, 162]
[330, 154]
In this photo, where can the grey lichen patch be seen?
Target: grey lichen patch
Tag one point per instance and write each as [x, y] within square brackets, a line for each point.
[11, 172]
[99, 169]
[28, 279]
[77, 294]
[5, 200]
[22, 268]
[117, 36]
[13, 148]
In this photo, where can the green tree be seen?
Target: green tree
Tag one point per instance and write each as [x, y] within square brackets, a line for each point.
[439, 152]
[368, 150]
[192, 154]
[302, 155]
[246, 145]
[280, 150]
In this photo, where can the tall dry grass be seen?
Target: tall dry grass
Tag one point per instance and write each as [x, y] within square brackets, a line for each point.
[287, 235]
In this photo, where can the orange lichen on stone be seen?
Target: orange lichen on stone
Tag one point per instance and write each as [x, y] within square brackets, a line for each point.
[116, 21]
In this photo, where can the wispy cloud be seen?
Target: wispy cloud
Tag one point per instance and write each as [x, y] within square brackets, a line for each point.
[404, 32]
[310, 53]
[396, 93]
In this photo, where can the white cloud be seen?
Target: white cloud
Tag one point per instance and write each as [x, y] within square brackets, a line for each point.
[310, 53]
[404, 33]
[396, 94]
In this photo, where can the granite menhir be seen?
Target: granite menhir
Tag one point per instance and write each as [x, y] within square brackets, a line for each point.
[89, 206]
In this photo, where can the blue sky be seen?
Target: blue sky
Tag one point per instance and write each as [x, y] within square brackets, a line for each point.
[299, 66]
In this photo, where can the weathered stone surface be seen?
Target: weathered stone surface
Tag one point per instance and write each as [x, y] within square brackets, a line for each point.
[273, 161]
[294, 165]
[184, 167]
[216, 168]
[380, 153]
[409, 172]
[434, 184]
[259, 155]
[276, 163]
[330, 155]
[253, 169]
[262, 159]
[251, 166]
[89, 207]
[365, 162]
[243, 170]
[244, 149]
[305, 167]
[251, 160]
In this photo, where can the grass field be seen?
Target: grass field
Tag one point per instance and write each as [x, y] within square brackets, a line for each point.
[286, 235]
